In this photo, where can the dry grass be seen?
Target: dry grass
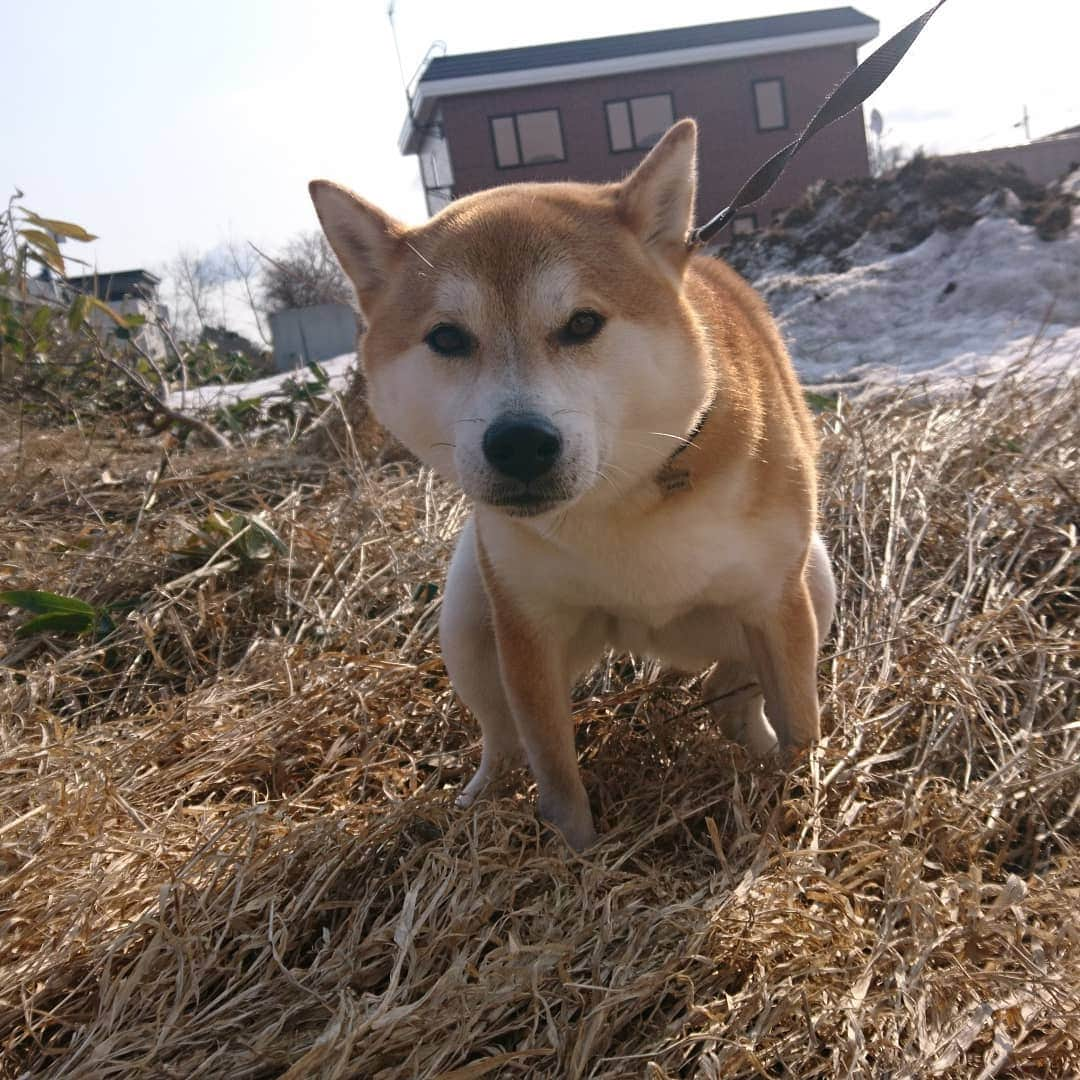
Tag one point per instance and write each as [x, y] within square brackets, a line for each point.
[227, 837]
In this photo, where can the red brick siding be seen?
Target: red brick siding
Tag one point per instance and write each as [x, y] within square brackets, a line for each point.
[718, 95]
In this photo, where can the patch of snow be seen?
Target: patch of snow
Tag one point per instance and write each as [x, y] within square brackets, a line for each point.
[1071, 184]
[961, 305]
[213, 395]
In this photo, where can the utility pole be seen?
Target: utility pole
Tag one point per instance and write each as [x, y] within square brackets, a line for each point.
[1025, 124]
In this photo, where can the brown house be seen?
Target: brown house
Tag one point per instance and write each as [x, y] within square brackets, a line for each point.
[588, 110]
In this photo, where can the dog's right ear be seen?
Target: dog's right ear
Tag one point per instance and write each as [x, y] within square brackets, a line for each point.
[365, 240]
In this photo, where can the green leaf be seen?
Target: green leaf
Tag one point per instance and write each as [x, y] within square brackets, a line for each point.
[46, 602]
[78, 311]
[63, 228]
[820, 402]
[105, 309]
[260, 540]
[320, 372]
[40, 321]
[46, 247]
[57, 622]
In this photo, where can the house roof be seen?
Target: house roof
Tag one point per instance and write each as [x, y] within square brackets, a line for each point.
[656, 41]
[566, 61]
[117, 285]
[1062, 134]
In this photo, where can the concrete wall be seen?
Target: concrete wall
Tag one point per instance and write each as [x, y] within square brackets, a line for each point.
[1043, 161]
[312, 333]
[718, 95]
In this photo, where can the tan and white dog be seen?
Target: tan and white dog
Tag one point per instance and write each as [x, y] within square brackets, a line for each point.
[625, 418]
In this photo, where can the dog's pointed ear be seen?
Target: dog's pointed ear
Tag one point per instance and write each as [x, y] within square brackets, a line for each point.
[366, 241]
[657, 199]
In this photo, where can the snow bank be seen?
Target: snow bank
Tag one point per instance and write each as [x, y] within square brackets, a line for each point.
[213, 395]
[963, 304]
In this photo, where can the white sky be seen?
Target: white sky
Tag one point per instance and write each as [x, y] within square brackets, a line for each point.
[162, 126]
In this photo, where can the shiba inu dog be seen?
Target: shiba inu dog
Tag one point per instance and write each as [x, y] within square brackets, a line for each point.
[625, 418]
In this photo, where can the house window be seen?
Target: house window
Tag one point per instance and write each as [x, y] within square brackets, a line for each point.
[637, 123]
[744, 224]
[769, 104]
[531, 138]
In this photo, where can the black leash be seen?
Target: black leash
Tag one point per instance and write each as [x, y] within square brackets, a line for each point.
[852, 92]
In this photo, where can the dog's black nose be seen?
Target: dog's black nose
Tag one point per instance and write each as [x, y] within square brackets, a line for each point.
[524, 446]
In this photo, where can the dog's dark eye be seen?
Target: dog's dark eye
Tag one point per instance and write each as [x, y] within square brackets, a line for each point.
[449, 340]
[581, 326]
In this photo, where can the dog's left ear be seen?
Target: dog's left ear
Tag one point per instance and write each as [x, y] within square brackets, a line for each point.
[657, 199]
[366, 241]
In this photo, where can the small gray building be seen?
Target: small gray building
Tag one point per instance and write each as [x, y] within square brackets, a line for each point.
[318, 333]
[127, 292]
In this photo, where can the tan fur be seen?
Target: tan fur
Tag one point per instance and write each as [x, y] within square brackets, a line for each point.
[708, 555]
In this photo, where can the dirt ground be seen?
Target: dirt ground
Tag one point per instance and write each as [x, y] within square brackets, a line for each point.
[900, 210]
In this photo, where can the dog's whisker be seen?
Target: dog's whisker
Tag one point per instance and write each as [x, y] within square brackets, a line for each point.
[471, 420]
[557, 524]
[434, 444]
[611, 483]
[420, 255]
[658, 450]
[617, 468]
[668, 435]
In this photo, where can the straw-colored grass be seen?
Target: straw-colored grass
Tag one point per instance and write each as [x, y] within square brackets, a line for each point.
[228, 844]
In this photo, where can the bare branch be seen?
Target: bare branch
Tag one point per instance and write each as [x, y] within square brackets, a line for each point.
[158, 401]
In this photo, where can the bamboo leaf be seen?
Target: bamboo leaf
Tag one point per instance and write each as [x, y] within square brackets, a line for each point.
[57, 622]
[103, 307]
[39, 323]
[63, 228]
[46, 247]
[46, 603]
[80, 308]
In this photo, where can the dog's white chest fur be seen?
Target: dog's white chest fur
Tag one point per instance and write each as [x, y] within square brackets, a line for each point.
[660, 586]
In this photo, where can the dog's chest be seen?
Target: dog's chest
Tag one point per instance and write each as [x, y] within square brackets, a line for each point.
[648, 577]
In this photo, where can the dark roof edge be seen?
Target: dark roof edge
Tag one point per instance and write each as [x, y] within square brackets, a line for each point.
[641, 44]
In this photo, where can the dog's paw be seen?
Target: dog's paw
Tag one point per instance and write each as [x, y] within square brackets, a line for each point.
[481, 779]
[580, 837]
[490, 770]
[759, 738]
[572, 817]
[747, 724]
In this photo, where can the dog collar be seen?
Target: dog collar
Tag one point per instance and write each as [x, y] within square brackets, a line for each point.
[675, 475]
[695, 431]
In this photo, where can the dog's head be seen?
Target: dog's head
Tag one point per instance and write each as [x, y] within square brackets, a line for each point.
[533, 342]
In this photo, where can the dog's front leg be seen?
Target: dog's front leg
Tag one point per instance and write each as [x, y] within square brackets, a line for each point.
[783, 647]
[468, 648]
[534, 664]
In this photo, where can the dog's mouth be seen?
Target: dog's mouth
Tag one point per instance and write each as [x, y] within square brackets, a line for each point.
[527, 503]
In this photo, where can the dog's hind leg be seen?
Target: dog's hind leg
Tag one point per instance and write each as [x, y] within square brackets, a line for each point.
[733, 691]
[468, 646]
[734, 698]
[784, 646]
[822, 585]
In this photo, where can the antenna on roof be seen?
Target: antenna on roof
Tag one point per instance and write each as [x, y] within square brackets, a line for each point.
[397, 51]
